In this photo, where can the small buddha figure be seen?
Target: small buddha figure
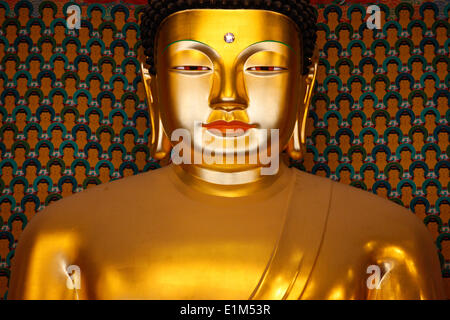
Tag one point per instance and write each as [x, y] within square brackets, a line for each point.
[229, 84]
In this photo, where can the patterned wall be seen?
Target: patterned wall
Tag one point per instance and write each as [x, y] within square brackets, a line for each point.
[73, 113]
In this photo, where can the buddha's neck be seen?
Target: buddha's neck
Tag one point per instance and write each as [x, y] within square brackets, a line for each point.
[227, 184]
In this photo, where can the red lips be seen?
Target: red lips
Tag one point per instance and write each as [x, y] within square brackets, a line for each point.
[225, 127]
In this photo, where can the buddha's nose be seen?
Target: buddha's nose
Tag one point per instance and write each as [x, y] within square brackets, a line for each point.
[229, 91]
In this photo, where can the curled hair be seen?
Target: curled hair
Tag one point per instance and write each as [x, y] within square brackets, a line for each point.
[299, 11]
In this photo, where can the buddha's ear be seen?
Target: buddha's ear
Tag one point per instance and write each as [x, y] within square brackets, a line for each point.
[297, 144]
[159, 143]
[309, 91]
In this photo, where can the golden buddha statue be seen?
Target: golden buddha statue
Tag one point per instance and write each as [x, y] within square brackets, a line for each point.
[213, 224]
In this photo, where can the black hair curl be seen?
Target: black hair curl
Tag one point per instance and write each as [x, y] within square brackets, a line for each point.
[300, 11]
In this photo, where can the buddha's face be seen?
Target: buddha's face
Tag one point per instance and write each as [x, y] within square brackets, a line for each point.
[230, 74]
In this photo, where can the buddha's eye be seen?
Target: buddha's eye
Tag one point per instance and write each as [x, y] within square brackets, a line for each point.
[266, 68]
[192, 68]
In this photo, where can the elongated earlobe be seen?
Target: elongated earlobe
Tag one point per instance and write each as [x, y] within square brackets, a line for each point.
[297, 144]
[159, 142]
[294, 148]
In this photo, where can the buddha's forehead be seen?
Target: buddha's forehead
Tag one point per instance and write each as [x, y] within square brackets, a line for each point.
[210, 26]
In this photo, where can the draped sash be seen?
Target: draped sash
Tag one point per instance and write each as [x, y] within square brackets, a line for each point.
[293, 258]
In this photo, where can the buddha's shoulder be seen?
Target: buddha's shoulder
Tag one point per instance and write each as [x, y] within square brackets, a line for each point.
[363, 212]
[110, 200]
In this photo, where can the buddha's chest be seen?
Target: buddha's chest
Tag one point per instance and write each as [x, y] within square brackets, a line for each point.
[189, 251]
[192, 270]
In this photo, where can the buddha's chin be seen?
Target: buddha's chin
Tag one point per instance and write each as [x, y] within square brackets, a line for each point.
[229, 168]
[232, 159]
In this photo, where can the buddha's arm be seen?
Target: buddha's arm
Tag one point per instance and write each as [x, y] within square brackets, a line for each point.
[369, 239]
[408, 271]
[41, 263]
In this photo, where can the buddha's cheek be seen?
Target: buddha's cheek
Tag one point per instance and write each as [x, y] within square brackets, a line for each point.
[273, 103]
[184, 100]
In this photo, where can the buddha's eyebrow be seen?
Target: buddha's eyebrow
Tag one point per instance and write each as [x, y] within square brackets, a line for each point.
[183, 40]
[273, 41]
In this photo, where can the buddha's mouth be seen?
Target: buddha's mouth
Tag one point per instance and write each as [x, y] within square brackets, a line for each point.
[228, 128]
